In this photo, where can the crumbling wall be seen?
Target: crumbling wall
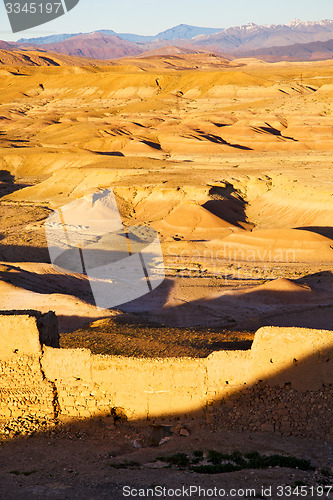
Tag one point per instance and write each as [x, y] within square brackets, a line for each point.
[23, 387]
[91, 385]
[26, 331]
[78, 396]
[283, 383]
[277, 409]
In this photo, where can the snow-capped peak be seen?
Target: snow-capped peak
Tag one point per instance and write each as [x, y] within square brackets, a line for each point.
[298, 23]
[249, 26]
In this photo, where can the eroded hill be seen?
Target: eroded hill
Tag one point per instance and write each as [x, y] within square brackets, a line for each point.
[230, 161]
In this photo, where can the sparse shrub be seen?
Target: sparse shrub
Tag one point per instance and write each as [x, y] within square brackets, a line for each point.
[26, 473]
[179, 459]
[298, 483]
[128, 464]
[197, 457]
[215, 469]
[224, 462]
[216, 457]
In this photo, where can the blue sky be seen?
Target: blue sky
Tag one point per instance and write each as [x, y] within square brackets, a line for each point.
[148, 17]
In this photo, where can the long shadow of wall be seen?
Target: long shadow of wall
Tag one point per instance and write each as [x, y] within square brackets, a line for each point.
[309, 306]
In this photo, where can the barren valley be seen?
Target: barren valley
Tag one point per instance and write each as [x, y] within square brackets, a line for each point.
[231, 163]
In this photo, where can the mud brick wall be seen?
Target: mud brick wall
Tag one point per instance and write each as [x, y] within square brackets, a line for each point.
[153, 387]
[23, 389]
[282, 410]
[78, 395]
[284, 383]
[91, 385]
[284, 386]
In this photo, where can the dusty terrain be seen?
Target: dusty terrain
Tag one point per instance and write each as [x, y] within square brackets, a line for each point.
[229, 161]
[97, 459]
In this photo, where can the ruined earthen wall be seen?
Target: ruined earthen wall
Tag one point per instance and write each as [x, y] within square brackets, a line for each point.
[23, 387]
[283, 384]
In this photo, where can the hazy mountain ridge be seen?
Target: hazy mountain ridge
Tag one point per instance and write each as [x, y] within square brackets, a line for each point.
[5, 45]
[185, 32]
[182, 31]
[252, 36]
[313, 51]
[22, 58]
[250, 39]
[96, 46]
[48, 39]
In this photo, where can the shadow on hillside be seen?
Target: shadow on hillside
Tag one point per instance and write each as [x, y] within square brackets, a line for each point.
[109, 153]
[7, 183]
[326, 231]
[47, 283]
[216, 139]
[230, 207]
[309, 306]
[24, 253]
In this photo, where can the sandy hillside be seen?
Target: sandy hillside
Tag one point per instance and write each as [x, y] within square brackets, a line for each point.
[230, 161]
[16, 58]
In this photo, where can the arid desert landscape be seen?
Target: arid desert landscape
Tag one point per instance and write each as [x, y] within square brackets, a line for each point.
[230, 161]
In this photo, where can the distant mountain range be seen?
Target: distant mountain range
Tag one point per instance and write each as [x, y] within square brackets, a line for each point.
[182, 31]
[313, 51]
[251, 36]
[272, 42]
[5, 45]
[94, 45]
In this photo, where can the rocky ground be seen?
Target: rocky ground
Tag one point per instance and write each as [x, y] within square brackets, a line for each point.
[97, 459]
